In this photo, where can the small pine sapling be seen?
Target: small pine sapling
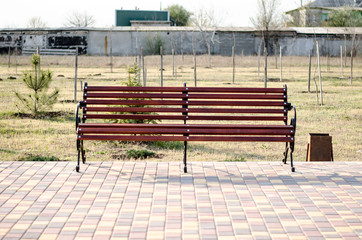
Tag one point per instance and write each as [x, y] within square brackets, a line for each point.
[38, 82]
[132, 81]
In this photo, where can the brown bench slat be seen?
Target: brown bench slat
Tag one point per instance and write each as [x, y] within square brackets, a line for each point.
[185, 131]
[193, 103]
[182, 89]
[134, 116]
[200, 126]
[181, 110]
[184, 138]
[237, 118]
[180, 96]
[182, 117]
[135, 109]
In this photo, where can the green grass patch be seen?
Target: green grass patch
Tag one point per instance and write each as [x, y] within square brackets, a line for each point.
[139, 154]
[60, 116]
[167, 145]
[39, 158]
[236, 159]
[7, 151]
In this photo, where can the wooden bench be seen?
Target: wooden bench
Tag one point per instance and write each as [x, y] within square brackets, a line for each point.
[185, 114]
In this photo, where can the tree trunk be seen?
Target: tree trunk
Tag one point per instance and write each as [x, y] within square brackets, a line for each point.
[110, 51]
[233, 56]
[309, 69]
[195, 73]
[341, 50]
[281, 64]
[75, 75]
[265, 67]
[319, 74]
[276, 55]
[209, 53]
[352, 49]
[259, 53]
[161, 53]
[182, 51]
[9, 57]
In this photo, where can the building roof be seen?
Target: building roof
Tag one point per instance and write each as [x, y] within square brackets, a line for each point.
[334, 3]
[327, 30]
[331, 4]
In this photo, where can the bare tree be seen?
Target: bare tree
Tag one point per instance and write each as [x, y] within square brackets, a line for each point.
[267, 18]
[77, 19]
[355, 42]
[36, 22]
[204, 19]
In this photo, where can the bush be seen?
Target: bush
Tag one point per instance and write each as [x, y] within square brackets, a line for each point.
[139, 154]
[153, 44]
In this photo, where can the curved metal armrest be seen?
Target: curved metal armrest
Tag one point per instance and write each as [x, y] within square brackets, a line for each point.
[293, 121]
[77, 119]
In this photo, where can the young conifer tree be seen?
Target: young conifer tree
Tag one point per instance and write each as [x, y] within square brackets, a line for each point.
[38, 81]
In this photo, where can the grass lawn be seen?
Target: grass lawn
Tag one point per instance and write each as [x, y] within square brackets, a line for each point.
[53, 137]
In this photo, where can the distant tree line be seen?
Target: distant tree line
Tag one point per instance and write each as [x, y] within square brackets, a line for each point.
[75, 19]
[345, 17]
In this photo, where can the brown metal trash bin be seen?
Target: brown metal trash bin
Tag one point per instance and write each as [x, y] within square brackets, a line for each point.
[319, 147]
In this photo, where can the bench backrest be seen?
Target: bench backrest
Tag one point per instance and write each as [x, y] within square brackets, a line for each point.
[186, 103]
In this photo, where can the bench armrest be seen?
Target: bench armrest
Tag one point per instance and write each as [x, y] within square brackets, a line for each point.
[293, 121]
[77, 119]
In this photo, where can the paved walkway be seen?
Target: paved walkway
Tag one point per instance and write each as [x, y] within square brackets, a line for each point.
[49, 200]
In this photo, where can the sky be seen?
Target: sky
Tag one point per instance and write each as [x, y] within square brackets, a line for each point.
[17, 13]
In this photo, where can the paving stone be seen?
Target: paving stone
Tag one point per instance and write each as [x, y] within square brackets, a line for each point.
[214, 200]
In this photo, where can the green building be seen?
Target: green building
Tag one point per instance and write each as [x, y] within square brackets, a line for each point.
[136, 17]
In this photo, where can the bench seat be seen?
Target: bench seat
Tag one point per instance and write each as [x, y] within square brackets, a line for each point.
[177, 132]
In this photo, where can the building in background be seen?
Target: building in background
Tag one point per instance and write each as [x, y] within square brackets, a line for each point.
[315, 13]
[125, 18]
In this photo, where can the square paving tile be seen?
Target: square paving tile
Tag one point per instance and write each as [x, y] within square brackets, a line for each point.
[215, 200]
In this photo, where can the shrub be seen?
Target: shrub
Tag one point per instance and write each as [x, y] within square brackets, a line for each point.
[139, 154]
[38, 82]
[153, 43]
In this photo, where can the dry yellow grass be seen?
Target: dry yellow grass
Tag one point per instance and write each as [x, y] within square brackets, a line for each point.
[340, 116]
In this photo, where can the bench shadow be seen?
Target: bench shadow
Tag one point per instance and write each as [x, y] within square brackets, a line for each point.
[296, 178]
[301, 177]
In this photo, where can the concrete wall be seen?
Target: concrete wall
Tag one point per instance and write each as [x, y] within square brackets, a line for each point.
[121, 43]
[301, 46]
[128, 41]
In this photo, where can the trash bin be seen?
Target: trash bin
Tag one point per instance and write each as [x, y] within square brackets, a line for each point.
[319, 147]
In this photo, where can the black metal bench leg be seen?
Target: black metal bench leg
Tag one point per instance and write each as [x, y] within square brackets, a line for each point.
[185, 157]
[291, 161]
[291, 156]
[83, 152]
[285, 153]
[78, 160]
